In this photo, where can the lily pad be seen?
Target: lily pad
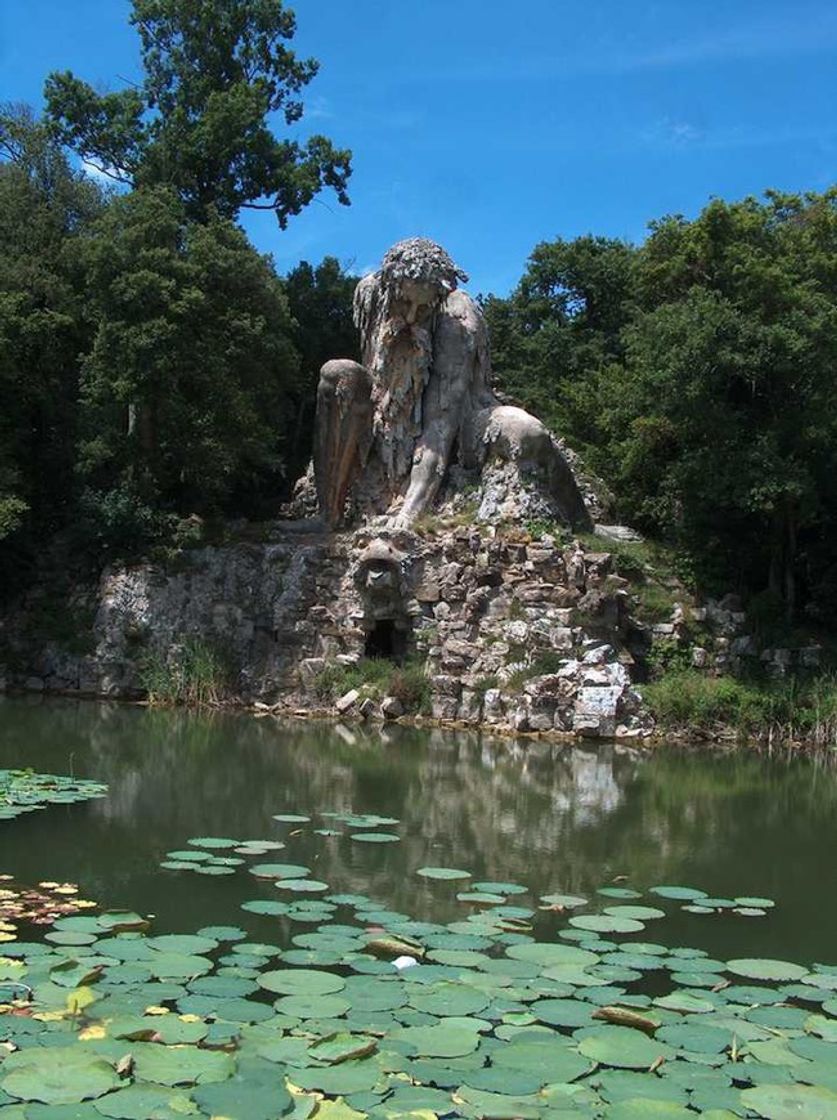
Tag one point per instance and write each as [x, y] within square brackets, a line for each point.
[301, 981]
[443, 873]
[279, 871]
[791, 1102]
[679, 894]
[57, 1075]
[622, 1048]
[766, 969]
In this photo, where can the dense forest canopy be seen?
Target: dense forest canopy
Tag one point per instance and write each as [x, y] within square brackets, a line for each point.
[696, 374]
[153, 365]
[156, 373]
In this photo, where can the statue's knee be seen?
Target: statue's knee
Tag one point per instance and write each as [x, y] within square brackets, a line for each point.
[511, 433]
[345, 375]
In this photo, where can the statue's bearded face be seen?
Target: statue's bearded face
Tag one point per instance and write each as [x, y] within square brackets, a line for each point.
[416, 300]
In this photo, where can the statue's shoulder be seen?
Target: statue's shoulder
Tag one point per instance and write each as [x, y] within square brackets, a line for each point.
[461, 312]
[460, 305]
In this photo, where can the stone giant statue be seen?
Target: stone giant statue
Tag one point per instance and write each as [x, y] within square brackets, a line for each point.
[391, 433]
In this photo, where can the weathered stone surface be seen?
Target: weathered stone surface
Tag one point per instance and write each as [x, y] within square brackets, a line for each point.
[616, 533]
[347, 701]
[391, 707]
[386, 430]
[288, 609]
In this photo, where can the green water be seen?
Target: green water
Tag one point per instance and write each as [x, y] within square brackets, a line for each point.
[552, 817]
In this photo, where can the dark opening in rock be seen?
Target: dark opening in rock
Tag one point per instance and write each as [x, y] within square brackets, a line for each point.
[386, 640]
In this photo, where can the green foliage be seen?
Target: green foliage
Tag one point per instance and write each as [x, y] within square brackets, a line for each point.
[193, 674]
[217, 75]
[684, 699]
[696, 375]
[376, 677]
[540, 527]
[542, 664]
[409, 684]
[46, 210]
[320, 303]
[186, 388]
[483, 684]
[667, 655]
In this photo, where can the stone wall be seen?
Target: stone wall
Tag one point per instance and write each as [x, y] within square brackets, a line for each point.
[513, 633]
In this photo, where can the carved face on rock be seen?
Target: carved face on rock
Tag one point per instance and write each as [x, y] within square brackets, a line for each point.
[378, 578]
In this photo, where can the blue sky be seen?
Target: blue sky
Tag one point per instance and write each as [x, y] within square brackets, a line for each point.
[492, 126]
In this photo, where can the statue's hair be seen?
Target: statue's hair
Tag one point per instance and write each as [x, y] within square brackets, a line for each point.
[420, 259]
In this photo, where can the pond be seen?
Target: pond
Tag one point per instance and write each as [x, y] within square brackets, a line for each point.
[551, 818]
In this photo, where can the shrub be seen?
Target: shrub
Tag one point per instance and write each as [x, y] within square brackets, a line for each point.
[787, 709]
[377, 677]
[193, 674]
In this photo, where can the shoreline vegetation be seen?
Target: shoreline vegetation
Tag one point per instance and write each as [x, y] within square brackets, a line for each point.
[685, 703]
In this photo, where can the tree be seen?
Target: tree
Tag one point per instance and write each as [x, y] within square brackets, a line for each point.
[696, 373]
[186, 389]
[199, 123]
[320, 301]
[721, 421]
[45, 211]
[561, 327]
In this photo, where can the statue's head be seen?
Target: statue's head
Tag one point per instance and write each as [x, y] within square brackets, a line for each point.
[417, 274]
[421, 261]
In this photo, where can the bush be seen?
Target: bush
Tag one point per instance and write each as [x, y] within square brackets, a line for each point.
[193, 674]
[795, 707]
[376, 677]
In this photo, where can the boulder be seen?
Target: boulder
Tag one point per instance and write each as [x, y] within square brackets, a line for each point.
[347, 701]
[391, 707]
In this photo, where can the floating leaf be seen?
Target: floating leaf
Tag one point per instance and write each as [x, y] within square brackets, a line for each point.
[622, 1048]
[680, 894]
[302, 886]
[564, 901]
[443, 873]
[57, 1075]
[791, 1102]
[301, 981]
[604, 923]
[279, 871]
[766, 969]
[500, 888]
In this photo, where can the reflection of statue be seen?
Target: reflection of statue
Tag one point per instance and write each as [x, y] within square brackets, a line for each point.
[389, 430]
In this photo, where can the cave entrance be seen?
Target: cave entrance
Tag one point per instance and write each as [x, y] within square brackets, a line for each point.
[386, 641]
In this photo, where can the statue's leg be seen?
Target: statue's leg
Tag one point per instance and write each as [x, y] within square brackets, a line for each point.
[342, 434]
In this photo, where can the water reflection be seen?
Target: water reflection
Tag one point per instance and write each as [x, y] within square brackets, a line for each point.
[552, 816]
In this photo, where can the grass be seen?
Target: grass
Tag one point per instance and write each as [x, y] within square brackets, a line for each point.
[377, 677]
[194, 675]
[793, 708]
[651, 569]
[542, 665]
[431, 524]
